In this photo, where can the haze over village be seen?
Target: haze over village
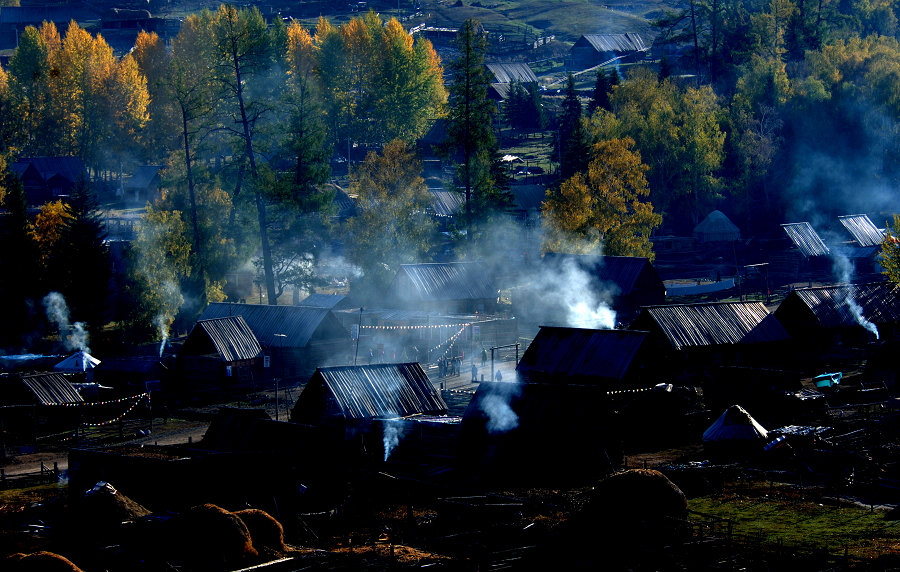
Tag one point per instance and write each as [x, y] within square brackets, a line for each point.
[449, 285]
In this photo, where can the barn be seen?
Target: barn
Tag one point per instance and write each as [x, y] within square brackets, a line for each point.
[219, 355]
[35, 404]
[299, 339]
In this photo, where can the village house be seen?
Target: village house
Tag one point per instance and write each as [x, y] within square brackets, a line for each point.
[219, 355]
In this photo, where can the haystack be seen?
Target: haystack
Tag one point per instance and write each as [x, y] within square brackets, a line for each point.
[628, 516]
[266, 533]
[717, 227]
[42, 561]
[211, 538]
[104, 506]
[639, 495]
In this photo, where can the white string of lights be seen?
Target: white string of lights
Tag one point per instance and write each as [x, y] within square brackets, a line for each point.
[117, 419]
[450, 339]
[95, 403]
[430, 326]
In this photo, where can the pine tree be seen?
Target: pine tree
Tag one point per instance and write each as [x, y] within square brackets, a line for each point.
[600, 100]
[19, 258]
[80, 265]
[470, 128]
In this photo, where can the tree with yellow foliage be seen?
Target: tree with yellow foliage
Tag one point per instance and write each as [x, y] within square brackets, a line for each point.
[603, 209]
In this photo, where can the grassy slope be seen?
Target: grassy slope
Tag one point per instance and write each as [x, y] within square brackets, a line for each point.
[566, 19]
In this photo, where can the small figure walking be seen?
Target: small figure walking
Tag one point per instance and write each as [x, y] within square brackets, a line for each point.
[498, 376]
[474, 373]
[483, 356]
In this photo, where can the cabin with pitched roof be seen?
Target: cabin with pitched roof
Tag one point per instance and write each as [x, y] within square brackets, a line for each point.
[48, 178]
[697, 336]
[843, 314]
[299, 338]
[448, 287]
[221, 355]
[597, 49]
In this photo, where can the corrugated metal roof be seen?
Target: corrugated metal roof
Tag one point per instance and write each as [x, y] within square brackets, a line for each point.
[448, 281]
[328, 301]
[618, 43]
[231, 336]
[558, 353]
[623, 271]
[880, 303]
[446, 203]
[297, 323]
[806, 239]
[723, 323]
[507, 72]
[863, 229]
[51, 388]
[382, 390]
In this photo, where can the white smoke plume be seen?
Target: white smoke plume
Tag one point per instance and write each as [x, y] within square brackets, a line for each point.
[843, 271]
[74, 336]
[393, 432]
[569, 293]
[496, 405]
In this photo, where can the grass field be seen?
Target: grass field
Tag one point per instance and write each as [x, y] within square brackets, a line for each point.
[782, 515]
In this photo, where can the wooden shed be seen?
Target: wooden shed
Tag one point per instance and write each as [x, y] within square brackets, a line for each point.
[220, 355]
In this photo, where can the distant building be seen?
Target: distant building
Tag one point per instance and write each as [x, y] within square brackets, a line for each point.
[595, 49]
[48, 178]
[449, 287]
[143, 185]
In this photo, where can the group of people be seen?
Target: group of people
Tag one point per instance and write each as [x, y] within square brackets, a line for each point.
[449, 366]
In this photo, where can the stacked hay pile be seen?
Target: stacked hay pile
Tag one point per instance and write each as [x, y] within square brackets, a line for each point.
[38, 562]
[627, 517]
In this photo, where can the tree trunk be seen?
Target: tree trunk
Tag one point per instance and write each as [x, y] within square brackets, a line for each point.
[254, 173]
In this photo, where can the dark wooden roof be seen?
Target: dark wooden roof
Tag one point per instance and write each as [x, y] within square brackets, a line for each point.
[447, 281]
[299, 324]
[863, 229]
[230, 337]
[51, 388]
[568, 355]
[879, 302]
[70, 168]
[382, 390]
[806, 239]
[722, 323]
[144, 176]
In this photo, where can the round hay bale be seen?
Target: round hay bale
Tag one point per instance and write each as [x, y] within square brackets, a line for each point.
[42, 561]
[211, 538]
[266, 533]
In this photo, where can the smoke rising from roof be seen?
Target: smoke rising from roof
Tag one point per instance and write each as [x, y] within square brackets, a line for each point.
[393, 431]
[74, 336]
[843, 271]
